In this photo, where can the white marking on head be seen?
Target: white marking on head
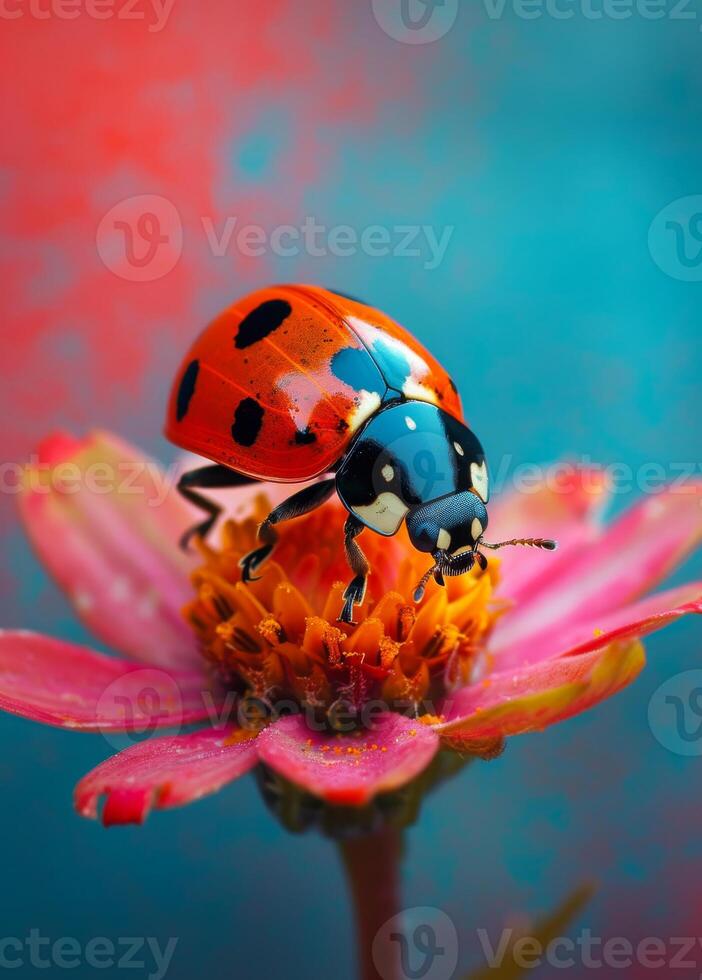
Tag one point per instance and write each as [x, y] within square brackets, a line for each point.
[479, 480]
[388, 473]
[444, 540]
[384, 515]
[411, 424]
[459, 448]
[476, 529]
[419, 392]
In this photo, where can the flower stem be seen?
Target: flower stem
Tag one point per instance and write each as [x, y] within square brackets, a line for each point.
[372, 865]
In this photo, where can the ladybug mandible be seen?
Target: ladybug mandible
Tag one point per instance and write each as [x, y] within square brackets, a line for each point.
[292, 383]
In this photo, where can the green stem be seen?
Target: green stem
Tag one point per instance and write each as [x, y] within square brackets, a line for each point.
[372, 864]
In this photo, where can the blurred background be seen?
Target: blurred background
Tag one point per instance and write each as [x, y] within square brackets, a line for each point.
[533, 170]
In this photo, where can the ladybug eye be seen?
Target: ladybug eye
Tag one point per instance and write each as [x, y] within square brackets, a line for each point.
[425, 536]
[423, 533]
[459, 448]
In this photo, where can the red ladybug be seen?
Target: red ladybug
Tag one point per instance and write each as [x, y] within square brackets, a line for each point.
[295, 382]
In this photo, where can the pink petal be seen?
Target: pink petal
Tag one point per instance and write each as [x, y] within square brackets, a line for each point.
[590, 630]
[165, 772]
[532, 698]
[115, 553]
[634, 554]
[348, 769]
[71, 686]
[564, 506]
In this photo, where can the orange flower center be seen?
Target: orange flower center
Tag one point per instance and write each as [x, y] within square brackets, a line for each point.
[277, 641]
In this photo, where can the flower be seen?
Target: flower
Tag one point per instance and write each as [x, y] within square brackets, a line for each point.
[531, 641]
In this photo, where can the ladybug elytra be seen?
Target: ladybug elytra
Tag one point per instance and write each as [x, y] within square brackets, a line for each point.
[295, 383]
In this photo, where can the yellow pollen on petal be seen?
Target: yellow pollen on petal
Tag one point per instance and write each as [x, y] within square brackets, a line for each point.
[239, 735]
[431, 720]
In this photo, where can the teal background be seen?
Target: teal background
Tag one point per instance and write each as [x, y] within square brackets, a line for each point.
[549, 147]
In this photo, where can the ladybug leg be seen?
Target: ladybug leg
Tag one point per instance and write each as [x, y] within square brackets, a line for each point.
[204, 478]
[300, 503]
[481, 560]
[356, 589]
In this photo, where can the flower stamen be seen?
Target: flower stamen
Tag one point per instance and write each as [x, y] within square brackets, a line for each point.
[279, 636]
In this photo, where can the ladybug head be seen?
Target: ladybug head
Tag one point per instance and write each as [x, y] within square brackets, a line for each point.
[451, 530]
[448, 526]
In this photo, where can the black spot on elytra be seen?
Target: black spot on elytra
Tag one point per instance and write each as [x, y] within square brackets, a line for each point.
[454, 389]
[303, 437]
[262, 321]
[186, 389]
[247, 422]
[357, 369]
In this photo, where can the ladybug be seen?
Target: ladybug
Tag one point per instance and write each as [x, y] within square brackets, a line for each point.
[295, 383]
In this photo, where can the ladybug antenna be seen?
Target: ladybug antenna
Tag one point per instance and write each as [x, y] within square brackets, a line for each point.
[546, 543]
[419, 591]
